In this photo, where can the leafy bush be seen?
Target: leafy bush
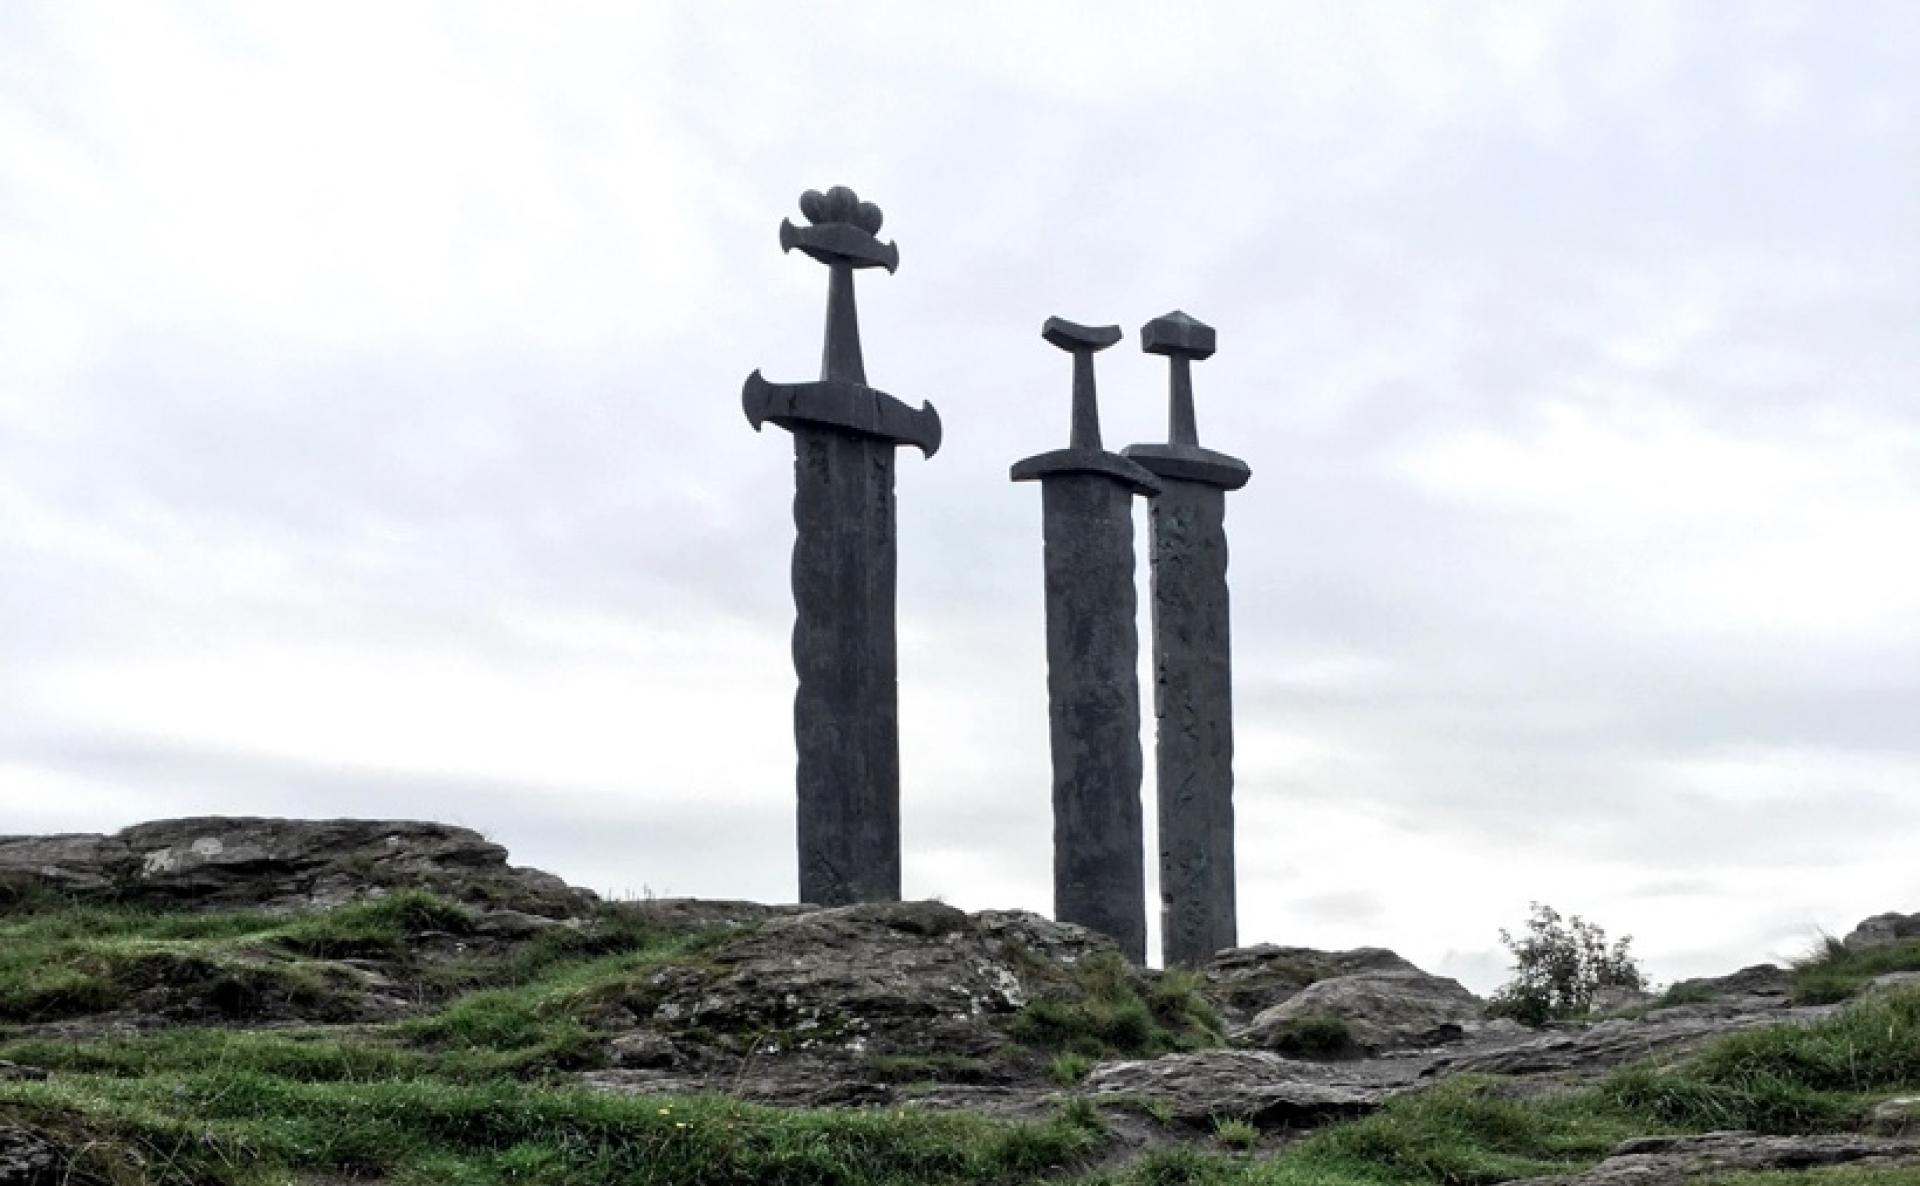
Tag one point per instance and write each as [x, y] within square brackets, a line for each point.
[1557, 967]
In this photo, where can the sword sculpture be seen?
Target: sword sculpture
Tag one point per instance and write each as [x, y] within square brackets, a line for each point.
[1093, 686]
[846, 711]
[1192, 660]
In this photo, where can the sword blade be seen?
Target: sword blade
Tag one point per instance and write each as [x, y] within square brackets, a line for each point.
[846, 710]
[1093, 704]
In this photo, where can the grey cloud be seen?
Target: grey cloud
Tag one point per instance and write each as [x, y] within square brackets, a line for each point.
[1402, 233]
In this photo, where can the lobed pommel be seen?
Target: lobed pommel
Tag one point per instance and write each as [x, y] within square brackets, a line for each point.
[844, 230]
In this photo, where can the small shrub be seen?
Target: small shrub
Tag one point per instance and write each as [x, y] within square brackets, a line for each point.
[1312, 1036]
[1111, 1018]
[931, 1068]
[1558, 965]
[1070, 1066]
[1082, 1113]
[1235, 1133]
[1684, 994]
[1179, 1165]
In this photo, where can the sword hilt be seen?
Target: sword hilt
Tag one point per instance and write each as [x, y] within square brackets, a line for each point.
[843, 235]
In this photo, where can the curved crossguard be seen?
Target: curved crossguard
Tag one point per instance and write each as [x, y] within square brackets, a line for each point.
[843, 235]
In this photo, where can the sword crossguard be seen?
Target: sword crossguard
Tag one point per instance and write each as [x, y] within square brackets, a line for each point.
[835, 403]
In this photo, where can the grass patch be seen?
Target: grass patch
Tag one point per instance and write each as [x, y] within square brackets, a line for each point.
[1069, 1067]
[1837, 972]
[1313, 1036]
[1684, 994]
[59, 960]
[1463, 1131]
[1786, 1079]
[380, 928]
[248, 1128]
[933, 1068]
[1112, 1018]
[469, 1094]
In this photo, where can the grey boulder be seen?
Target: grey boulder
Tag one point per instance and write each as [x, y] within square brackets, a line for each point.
[28, 1160]
[281, 865]
[1246, 980]
[1884, 930]
[1252, 1085]
[1683, 1160]
[1380, 1011]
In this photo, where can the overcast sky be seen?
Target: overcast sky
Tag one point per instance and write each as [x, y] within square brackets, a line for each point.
[370, 435]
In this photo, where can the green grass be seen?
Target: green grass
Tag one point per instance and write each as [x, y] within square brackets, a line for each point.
[1069, 1067]
[249, 1128]
[1836, 972]
[1786, 1079]
[474, 1091]
[1313, 1036]
[58, 960]
[1113, 1018]
[1684, 994]
[932, 1068]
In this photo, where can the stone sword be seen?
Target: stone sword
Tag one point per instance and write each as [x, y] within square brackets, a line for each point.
[1093, 687]
[1192, 660]
[846, 707]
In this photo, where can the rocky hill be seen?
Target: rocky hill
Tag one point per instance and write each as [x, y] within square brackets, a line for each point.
[238, 1000]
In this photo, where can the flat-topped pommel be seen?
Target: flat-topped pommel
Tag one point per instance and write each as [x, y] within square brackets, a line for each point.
[1073, 337]
[1177, 336]
[844, 230]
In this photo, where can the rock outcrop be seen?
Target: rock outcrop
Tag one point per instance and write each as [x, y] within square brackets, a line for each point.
[873, 979]
[1682, 1161]
[1377, 1011]
[1757, 986]
[1252, 1085]
[1247, 980]
[27, 1160]
[1884, 930]
[281, 865]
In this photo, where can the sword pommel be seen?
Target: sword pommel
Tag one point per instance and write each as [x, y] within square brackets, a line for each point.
[1073, 337]
[844, 230]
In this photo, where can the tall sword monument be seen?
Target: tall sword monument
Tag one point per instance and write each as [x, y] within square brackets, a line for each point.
[1192, 662]
[1093, 687]
[846, 712]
